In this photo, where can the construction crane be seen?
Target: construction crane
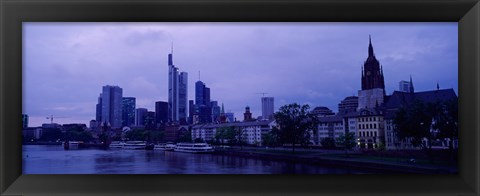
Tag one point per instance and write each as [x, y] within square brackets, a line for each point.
[263, 94]
[51, 118]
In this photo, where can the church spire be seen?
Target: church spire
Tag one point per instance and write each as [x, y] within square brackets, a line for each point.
[370, 47]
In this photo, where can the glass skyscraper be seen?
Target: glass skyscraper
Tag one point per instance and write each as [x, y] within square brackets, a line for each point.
[111, 106]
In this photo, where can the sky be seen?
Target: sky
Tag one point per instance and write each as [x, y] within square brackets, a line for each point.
[65, 65]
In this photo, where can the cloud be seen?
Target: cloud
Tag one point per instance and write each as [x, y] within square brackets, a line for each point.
[66, 64]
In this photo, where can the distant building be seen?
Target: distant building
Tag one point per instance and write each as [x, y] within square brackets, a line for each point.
[128, 111]
[182, 97]
[150, 120]
[247, 116]
[93, 124]
[140, 115]
[111, 105]
[399, 99]
[24, 121]
[322, 111]
[215, 111]
[202, 103]
[407, 87]
[251, 131]
[32, 133]
[161, 112]
[191, 111]
[174, 132]
[349, 104]
[267, 107]
[373, 84]
[230, 117]
[177, 92]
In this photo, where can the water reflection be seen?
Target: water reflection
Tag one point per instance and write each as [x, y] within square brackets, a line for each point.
[55, 160]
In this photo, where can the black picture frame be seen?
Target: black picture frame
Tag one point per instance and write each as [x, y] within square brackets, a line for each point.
[14, 12]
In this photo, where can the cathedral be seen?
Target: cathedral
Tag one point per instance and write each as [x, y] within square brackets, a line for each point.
[373, 85]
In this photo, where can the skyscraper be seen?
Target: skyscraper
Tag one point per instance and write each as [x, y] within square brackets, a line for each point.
[111, 106]
[267, 107]
[161, 112]
[404, 86]
[202, 102]
[128, 111]
[182, 97]
[140, 115]
[172, 90]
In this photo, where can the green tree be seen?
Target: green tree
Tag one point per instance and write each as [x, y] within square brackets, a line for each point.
[347, 140]
[295, 122]
[328, 143]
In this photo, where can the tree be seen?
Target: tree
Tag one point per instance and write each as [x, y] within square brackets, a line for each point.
[347, 140]
[328, 143]
[294, 122]
[269, 139]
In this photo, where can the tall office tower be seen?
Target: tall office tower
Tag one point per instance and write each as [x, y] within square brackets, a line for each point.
[140, 115]
[267, 108]
[215, 111]
[191, 111]
[98, 115]
[128, 111]
[150, 120]
[172, 90]
[182, 97]
[404, 86]
[161, 112]
[202, 102]
[111, 98]
[373, 86]
[24, 121]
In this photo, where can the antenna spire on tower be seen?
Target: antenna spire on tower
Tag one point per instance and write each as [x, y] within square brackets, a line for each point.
[172, 49]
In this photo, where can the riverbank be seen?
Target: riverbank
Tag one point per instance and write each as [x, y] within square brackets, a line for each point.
[354, 160]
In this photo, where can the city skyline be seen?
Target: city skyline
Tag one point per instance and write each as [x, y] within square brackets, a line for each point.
[259, 57]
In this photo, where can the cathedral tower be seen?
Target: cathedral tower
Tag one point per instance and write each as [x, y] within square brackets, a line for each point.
[372, 72]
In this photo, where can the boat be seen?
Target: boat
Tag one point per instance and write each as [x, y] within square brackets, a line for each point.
[165, 147]
[117, 144]
[194, 148]
[71, 145]
[135, 145]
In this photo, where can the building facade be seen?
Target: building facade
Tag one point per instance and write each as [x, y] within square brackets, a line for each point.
[267, 108]
[140, 116]
[161, 112]
[111, 105]
[251, 132]
[177, 92]
[128, 111]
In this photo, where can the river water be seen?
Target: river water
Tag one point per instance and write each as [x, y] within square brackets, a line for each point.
[45, 159]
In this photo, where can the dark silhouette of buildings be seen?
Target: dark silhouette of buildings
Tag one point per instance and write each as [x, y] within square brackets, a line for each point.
[161, 112]
[372, 72]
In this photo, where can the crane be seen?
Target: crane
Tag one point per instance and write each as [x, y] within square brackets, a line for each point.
[263, 94]
[51, 118]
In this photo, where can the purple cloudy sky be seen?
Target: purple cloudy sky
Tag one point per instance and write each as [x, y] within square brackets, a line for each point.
[66, 64]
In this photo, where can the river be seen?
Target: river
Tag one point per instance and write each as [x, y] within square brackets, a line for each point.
[53, 159]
